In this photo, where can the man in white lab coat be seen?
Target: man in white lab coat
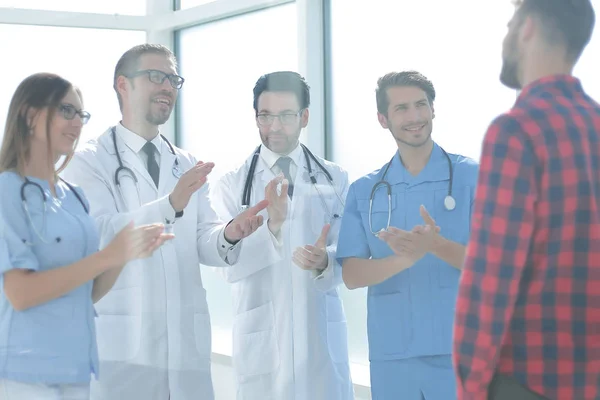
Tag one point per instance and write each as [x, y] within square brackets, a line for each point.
[153, 328]
[289, 331]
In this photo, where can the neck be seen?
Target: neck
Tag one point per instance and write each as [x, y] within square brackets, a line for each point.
[140, 127]
[415, 159]
[290, 150]
[545, 64]
[38, 165]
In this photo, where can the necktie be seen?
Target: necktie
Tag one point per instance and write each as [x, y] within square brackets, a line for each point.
[152, 166]
[284, 164]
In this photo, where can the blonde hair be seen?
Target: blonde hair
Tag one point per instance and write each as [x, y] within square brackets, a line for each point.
[36, 92]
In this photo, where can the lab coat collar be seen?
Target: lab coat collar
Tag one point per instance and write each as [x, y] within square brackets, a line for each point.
[270, 158]
[435, 170]
[135, 142]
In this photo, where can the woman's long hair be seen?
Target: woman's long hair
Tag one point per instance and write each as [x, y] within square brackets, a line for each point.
[38, 91]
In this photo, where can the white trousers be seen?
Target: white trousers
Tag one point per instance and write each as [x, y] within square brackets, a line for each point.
[12, 390]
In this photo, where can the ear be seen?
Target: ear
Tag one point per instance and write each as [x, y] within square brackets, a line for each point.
[528, 29]
[432, 112]
[32, 117]
[304, 118]
[383, 121]
[123, 85]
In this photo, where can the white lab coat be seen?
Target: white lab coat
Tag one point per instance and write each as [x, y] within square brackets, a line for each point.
[153, 329]
[289, 331]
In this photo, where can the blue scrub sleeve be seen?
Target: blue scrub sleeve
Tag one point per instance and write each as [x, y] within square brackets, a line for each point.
[14, 253]
[352, 241]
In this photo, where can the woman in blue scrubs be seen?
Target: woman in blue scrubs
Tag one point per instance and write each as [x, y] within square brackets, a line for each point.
[50, 266]
[411, 269]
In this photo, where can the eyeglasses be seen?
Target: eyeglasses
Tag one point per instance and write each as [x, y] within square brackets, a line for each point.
[69, 112]
[284, 118]
[158, 77]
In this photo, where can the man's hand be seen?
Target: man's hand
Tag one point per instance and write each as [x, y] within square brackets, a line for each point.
[278, 203]
[313, 257]
[415, 244]
[188, 184]
[245, 223]
[430, 231]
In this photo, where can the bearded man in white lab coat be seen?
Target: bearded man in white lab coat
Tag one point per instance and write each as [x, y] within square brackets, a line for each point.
[289, 331]
[153, 328]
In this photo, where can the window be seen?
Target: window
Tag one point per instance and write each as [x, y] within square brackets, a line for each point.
[460, 54]
[129, 7]
[587, 67]
[41, 49]
[216, 118]
[183, 4]
[463, 66]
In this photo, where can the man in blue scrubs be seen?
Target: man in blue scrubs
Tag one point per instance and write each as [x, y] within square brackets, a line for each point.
[411, 269]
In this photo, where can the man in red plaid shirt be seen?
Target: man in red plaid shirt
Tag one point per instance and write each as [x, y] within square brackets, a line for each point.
[528, 314]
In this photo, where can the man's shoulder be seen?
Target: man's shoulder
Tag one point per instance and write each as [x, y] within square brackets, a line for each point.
[464, 165]
[518, 119]
[366, 182]
[185, 155]
[331, 166]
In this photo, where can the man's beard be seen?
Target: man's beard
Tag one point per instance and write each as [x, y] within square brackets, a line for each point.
[509, 75]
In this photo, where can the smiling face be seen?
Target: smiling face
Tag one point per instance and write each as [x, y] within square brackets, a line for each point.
[65, 126]
[409, 116]
[145, 99]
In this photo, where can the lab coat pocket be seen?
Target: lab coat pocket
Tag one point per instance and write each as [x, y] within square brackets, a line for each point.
[337, 330]
[202, 334]
[389, 324]
[118, 336]
[255, 342]
[119, 324]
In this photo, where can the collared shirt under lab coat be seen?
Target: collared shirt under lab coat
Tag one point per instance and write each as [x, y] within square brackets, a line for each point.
[410, 314]
[53, 342]
[154, 333]
[289, 331]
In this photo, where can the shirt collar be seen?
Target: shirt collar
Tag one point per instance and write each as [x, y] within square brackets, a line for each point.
[270, 157]
[134, 141]
[560, 84]
[397, 173]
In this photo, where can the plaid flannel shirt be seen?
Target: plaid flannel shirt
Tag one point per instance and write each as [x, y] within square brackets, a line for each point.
[529, 296]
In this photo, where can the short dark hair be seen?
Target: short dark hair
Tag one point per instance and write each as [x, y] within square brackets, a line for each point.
[283, 81]
[404, 78]
[130, 60]
[569, 22]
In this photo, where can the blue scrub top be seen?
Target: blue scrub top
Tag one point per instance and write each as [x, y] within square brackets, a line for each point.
[411, 314]
[54, 342]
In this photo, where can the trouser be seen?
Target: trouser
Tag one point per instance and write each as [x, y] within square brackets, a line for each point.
[504, 387]
[419, 378]
[12, 390]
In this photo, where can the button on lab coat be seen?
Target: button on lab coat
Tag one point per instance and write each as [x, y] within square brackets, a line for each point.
[289, 330]
[154, 334]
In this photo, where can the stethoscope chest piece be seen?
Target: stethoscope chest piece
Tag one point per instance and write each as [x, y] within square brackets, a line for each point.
[177, 173]
[449, 203]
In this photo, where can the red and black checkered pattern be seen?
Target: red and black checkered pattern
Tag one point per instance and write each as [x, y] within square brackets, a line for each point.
[529, 297]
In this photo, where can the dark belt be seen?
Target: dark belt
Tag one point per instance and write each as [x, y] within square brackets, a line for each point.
[505, 387]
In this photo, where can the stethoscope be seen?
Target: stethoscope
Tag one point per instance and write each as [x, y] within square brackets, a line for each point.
[123, 169]
[311, 176]
[449, 201]
[44, 198]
